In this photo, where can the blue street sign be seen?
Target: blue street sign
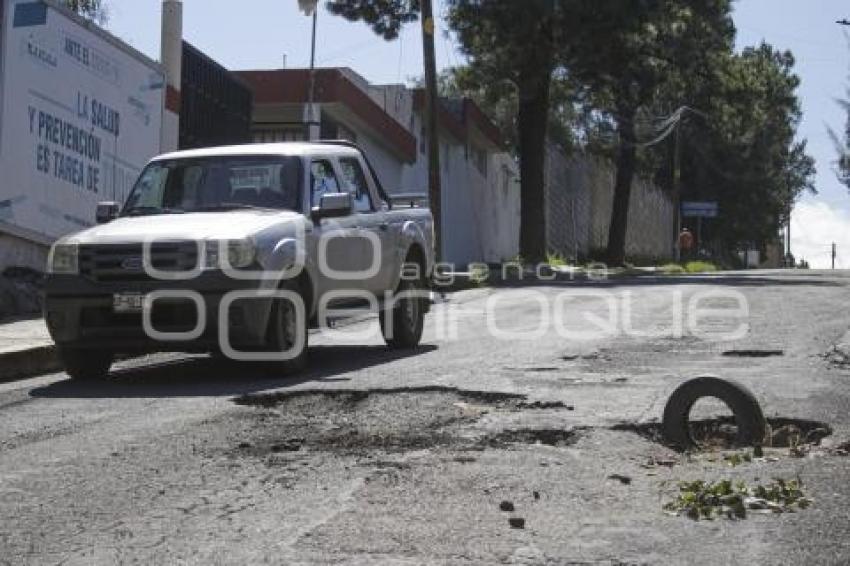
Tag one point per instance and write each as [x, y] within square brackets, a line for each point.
[700, 209]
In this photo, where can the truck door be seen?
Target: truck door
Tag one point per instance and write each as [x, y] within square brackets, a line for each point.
[373, 220]
[340, 250]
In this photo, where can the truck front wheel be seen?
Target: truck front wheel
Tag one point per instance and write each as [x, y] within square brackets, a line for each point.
[284, 330]
[402, 324]
[85, 365]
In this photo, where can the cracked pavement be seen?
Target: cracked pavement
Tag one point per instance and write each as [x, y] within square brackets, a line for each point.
[379, 457]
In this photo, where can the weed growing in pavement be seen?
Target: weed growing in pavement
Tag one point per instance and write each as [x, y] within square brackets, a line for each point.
[703, 500]
[700, 267]
[555, 260]
[689, 267]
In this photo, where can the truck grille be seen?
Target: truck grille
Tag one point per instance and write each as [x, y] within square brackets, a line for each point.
[123, 262]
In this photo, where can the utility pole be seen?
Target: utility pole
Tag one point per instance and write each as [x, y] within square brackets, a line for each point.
[833, 254]
[677, 188]
[431, 113]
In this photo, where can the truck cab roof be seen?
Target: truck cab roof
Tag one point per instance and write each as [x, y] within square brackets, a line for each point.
[304, 149]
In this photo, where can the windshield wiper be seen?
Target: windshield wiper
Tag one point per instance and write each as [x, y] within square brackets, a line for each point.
[150, 210]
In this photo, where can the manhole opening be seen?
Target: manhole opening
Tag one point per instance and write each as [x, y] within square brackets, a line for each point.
[721, 432]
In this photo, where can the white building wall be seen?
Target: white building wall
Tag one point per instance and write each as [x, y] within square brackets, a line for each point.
[388, 166]
[462, 212]
[500, 209]
[480, 217]
[415, 175]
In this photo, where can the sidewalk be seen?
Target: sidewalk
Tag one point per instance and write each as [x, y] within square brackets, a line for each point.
[26, 349]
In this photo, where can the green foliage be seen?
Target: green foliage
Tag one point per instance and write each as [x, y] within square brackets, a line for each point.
[479, 274]
[625, 57]
[386, 17]
[700, 267]
[703, 500]
[625, 80]
[93, 10]
[555, 260]
[500, 102]
[741, 150]
[689, 267]
[842, 145]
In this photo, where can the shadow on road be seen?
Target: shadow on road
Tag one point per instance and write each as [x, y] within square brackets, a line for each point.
[206, 377]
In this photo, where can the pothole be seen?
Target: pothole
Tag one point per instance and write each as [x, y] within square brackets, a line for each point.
[549, 437]
[356, 395]
[720, 433]
[386, 420]
[753, 353]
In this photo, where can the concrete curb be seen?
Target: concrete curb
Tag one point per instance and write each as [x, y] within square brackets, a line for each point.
[20, 364]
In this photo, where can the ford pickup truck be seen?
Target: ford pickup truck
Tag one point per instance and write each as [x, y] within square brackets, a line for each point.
[237, 251]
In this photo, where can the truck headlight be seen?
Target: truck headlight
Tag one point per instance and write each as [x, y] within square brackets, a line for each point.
[64, 258]
[240, 254]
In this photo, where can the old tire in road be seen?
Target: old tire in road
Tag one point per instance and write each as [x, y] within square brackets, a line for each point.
[745, 408]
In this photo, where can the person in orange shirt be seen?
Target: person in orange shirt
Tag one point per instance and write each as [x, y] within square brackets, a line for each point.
[686, 242]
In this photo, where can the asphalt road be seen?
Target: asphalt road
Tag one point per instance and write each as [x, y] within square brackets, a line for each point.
[376, 457]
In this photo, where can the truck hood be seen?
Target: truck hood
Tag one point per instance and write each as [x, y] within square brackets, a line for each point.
[231, 225]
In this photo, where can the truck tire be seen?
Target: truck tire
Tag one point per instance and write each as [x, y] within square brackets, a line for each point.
[283, 328]
[403, 330]
[86, 365]
[745, 408]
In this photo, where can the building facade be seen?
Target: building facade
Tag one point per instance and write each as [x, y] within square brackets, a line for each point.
[215, 105]
[479, 179]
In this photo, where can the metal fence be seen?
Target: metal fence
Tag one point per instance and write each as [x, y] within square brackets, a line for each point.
[579, 198]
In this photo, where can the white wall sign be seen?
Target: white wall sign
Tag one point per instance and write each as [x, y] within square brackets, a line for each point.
[79, 119]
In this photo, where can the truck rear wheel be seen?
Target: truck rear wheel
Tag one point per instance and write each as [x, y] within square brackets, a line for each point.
[86, 365]
[402, 325]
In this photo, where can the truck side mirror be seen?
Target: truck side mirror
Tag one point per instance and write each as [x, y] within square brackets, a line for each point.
[333, 205]
[107, 211]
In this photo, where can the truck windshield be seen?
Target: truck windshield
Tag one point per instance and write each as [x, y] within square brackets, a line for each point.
[212, 184]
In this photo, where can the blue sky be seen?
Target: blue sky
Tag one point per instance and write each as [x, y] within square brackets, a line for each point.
[255, 34]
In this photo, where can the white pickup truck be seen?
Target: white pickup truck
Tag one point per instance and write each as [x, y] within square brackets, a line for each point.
[236, 251]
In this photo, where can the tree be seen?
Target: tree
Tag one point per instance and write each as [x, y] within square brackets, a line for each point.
[515, 43]
[742, 150]
[386, 18]
[499, 101]
[93, 10]
[843, 145]
[624, 55]
[509, 42]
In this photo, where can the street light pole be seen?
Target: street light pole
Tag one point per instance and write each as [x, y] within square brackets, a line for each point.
[310, 7]
[311, 97]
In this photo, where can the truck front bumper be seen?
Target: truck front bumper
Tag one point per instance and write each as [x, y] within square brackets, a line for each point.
[79, 313]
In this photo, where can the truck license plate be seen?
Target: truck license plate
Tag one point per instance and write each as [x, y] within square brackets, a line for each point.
[127, 302]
